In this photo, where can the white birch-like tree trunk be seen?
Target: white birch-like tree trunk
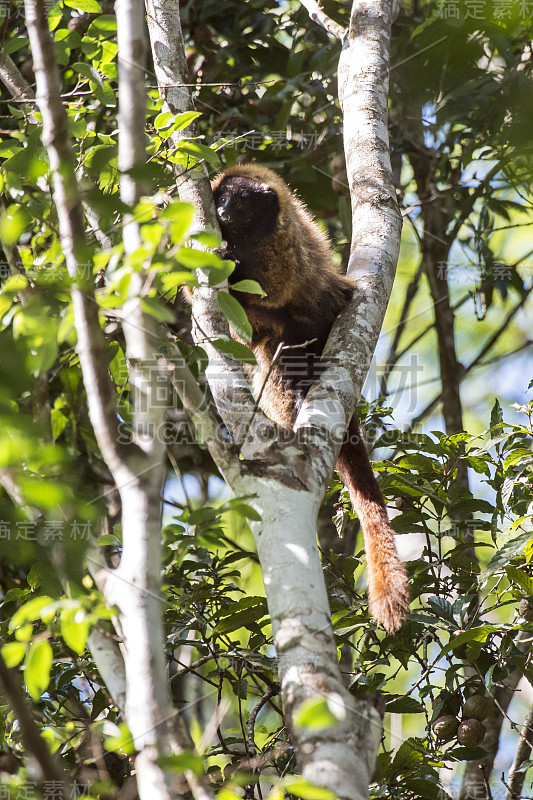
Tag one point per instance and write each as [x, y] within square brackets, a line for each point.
[139, 468]
[287, 483]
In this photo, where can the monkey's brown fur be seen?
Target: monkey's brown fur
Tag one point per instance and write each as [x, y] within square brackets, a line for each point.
[273, 239]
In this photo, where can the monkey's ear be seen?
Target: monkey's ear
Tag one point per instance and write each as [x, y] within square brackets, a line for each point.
[264, 188]
[270, 195]
[270, 202]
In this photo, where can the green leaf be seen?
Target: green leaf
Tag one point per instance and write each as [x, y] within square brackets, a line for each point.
[104, 23]
[301, 787]
[496, 414]
[30, 611]
[15, 283]
[162, 120]
[184, 119]
[404, 705]
[509, 550]
[318, 713]
[197, 259]
[442, 608]
[244, 510]
[182, 762]
[100, 702]
[241, 619]
[105, 539]
[13, 653]
[171, 280]
[87, 6]
[521, 454]
[408, 756]
[42, 492]
[37, 666]
[12, 45]
[14, 221]
[88, 71]
[155, 308]
[426, 788]
[221, 273]
[121, 743]
[236, 315]
[199, 152]
[58, 422]
[521, 578]
[480, 634]
[236, 350]
[467, 753]
[252, 287]
[180, 216]
[228, 794]
[208, 239]
[471, 504]
[74, 628]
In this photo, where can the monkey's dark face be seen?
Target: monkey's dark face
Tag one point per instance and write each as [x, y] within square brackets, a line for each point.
[247, 210]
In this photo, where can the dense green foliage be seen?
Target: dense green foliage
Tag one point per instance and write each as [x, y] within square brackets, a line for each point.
[265, 88]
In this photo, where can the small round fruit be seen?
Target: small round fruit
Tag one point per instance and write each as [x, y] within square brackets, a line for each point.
[477, 707]
[445, 727]
[471, 732]
[525, 609]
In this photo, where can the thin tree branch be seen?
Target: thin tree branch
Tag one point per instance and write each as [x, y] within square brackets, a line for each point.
[393, 355]
[91, 344]
[523, 751]
[21, 90]
[475, 783]
[224, 374]
[489, 344]
[34, 743]
[196, 404]
[104, 650]
[471, 199]
[15, 82]
[319, 16]
[271, 691]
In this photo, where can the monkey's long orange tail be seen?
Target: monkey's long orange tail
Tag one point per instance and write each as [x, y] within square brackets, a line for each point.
[388, 590]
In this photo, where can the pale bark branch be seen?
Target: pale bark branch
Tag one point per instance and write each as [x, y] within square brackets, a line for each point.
[15, 83]
[517, 775]
[226, 380]
[196, 403]
[91, 344]
[284, 486]
[376, 226]
[135, 586]
[147, 702]
[318, 15]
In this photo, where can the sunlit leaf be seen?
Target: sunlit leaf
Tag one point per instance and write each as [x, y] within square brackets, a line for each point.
[37, 666]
